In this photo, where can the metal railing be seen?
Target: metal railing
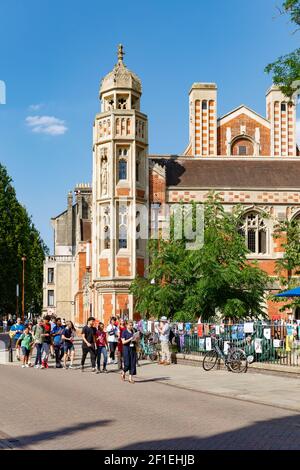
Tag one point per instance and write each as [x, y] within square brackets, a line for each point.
[267, 343]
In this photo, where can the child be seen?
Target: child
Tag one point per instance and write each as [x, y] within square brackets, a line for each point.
[27, 342]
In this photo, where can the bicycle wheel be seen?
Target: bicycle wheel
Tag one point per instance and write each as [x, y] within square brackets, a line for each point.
[210, 360]
[237, 361]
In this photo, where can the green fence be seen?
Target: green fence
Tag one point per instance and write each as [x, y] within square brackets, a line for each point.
[273, 343]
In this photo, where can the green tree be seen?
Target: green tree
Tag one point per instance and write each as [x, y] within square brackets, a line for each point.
[18, 237]
[288, 267]
[217, 278]
[286, 69]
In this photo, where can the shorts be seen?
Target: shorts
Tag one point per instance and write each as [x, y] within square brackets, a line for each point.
[25, 351]
[68, 346]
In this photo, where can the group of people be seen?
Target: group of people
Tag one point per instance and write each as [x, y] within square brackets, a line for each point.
[53, 336]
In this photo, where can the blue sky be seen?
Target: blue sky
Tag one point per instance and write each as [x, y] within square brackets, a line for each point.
[53, 54]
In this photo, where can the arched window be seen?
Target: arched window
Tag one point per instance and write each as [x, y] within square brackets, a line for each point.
[123, 163]
[254, 231]
[106, 227]
[138, 230]
[242, 145]
[123, 226]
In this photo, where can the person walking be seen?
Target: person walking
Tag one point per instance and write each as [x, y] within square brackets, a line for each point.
[112, 338]
[89, 343]
[26, 340]
[101, 343]
[121, 328]
[68, 337]
[14, 333]
[129, 351]
[56, 333]
[38, 331]
[47, 341]
[164, 333]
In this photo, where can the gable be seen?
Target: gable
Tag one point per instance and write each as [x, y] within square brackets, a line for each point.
[243, 112]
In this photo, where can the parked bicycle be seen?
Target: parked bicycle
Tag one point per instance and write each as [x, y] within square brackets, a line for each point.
[147, 347]
[235, 360]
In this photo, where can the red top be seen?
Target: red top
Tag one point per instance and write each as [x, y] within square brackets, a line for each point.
[101, 338]
[120, 344]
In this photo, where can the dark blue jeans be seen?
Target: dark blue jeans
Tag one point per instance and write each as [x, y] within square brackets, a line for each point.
[38, 359]
[100, 350]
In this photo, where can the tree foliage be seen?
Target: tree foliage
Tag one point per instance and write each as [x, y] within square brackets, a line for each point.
[288, 267]
[18, 237]
[217, 278]
[286, 69]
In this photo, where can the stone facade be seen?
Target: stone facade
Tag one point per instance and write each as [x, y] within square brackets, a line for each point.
[246, 158]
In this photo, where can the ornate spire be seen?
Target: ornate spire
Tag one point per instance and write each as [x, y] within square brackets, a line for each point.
[121, 53]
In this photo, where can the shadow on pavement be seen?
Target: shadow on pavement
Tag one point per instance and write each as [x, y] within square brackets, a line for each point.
[154, 379]
[19, 442]
[275, 434]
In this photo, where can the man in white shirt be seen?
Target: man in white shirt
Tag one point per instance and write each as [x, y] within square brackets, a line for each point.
[164, 333]
[112, 338]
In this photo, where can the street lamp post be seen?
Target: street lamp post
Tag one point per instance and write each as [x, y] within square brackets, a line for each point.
[23, 289]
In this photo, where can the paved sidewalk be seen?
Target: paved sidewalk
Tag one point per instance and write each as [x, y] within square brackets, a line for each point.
[169, 407]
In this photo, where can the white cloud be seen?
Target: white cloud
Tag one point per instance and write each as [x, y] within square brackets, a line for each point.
[35, 107]
[49, 125]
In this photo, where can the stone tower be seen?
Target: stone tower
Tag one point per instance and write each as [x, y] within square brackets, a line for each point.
[203, 119]
[120, 192]
[281, 112]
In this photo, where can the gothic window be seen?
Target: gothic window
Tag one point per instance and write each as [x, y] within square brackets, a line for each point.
[123, 211]
[123, 164]
[111, 104]
[122, 103]
[254, 231]
[137, 170]
[138, 229]
[106, 227]
[204, 105]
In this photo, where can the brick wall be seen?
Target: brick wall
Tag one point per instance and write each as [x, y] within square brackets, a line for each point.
[235, 125]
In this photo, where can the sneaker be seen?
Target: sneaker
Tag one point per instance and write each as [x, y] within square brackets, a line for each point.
[23, 366]
[65, 367]
[72, 367]
[27, 365]
[98, 371]
[105, 370]
[36, 366]
[115, 362]
[94, 369]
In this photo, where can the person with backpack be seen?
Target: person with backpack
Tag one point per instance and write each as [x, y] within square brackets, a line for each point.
[38, 331]
[68, 337]
[164, 338]
[112, 338]
[14, 333]
[89, 343]
[56, 333]
[26, 340]
[47, 341]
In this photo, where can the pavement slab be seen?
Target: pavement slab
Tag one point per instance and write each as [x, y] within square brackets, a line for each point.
[168, 408]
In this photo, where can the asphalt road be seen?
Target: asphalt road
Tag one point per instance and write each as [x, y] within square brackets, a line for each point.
[70, 409]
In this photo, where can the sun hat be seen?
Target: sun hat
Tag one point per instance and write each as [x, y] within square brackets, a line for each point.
[163, 319]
